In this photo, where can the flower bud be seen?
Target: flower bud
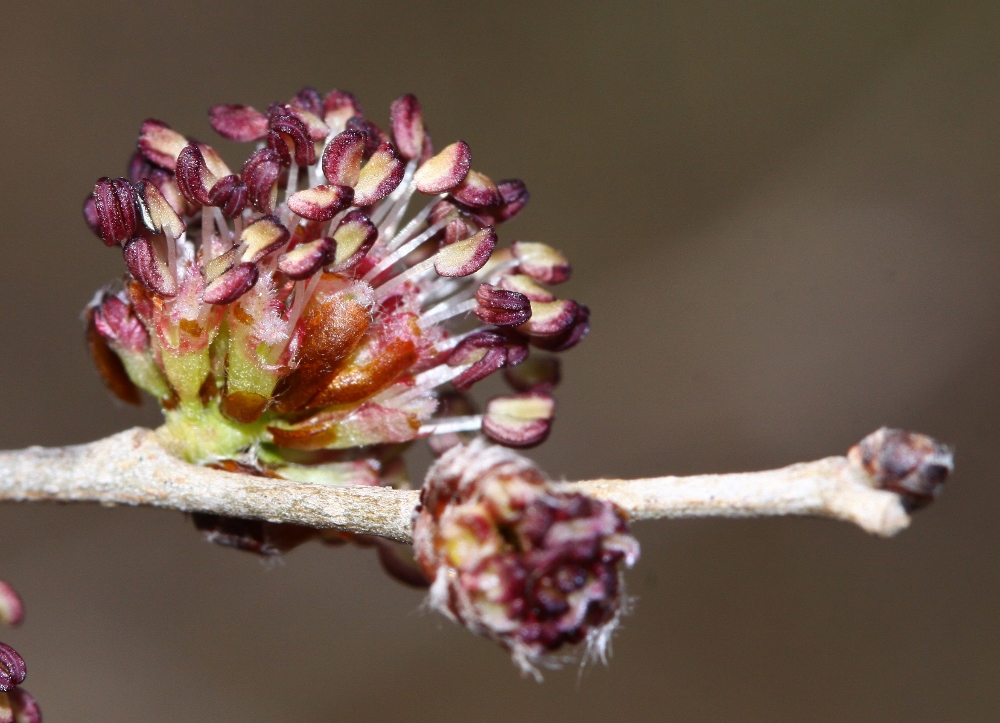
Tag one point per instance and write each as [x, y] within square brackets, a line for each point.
[515, 560]
[912, 465]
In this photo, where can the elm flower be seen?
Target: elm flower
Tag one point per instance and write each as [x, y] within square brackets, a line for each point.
[16, 704]
[307, 314]
[516, 560]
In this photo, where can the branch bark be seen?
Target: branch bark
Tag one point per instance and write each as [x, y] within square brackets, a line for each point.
[132, 468]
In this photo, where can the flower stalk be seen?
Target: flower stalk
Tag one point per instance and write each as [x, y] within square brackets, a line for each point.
[134, 468]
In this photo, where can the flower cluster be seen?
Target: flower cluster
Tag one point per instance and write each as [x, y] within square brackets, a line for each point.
[299, 311]
[16, 704]
[516, 560]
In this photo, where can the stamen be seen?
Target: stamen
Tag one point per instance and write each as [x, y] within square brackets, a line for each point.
[471, 423]
[412, 226]
[403, 189]
[403, 251]
[397, 281]
[446, 310]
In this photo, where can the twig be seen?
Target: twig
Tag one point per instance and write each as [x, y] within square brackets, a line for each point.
[131, 468]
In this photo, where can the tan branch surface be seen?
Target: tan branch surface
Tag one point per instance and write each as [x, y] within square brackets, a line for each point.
[131, 468]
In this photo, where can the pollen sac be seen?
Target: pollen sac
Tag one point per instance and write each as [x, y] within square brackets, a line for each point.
[466, 257]
[444, 171]
[308, 99]
[23, 707]
[262, 237]
[260, 174]
[517, 561]
[354, 237]
[157, 214]
[231, 285]
[379, 176]
[340, 106]
[229, 195]
[526, 285]
[115, 206]
[238, 122]
[194, 178]
[343, 157]
[306, 259]
[501, 307]
[570, 337]
[541, 262]
[90, 214]
[912, 465]
[11, 608]
[514, 197]
[485, 352]
[521, 420]
[536, 374]
[550, 318]
[160, 144]
[407, 126]
[321, 203]
[148, 268]
[12, 668]
[293, 133]
[476, 190]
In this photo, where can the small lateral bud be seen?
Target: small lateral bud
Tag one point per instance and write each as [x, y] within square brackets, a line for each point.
[11, 607]
[912, 465]
[501, 307]
[12, 668]
[238, 122]
[521, 420]
[516, 561]
[445, 170]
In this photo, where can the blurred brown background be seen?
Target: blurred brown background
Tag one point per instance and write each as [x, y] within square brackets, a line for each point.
[784, 217]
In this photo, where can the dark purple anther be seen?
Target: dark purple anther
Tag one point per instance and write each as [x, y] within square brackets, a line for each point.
[229, 194]
[115, 207]
[231, 285]
[501, 307]
[12, 668]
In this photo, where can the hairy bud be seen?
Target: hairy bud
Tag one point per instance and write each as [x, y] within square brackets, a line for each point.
[515, 560]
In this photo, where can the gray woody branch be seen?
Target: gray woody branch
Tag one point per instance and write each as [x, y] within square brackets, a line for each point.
[883, 477]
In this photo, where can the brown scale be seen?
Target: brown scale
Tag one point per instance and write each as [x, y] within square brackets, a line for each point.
[334, 325]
